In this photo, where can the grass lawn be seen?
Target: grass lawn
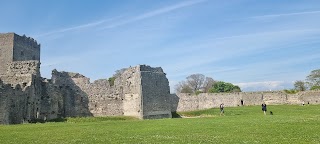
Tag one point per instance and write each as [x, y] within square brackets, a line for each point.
[289, 124]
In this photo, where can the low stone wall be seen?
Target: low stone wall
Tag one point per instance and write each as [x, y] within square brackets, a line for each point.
[189, 102]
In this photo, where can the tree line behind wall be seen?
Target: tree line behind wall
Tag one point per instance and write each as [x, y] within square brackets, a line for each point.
[199, 83]
[312, 82]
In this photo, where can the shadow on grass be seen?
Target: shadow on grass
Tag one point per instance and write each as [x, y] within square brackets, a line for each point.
[175, 115]
[44, 121]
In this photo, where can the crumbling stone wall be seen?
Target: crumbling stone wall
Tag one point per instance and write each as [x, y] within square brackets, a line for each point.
[25, 48]
[104, 100]
[313, 97]
[17, 104]
[20, 78]
[65, 96]
[129, 86]
[189, 102]
[21, 72]
[4, 119]
[17, 48]
[6, 51]
[155, 93]
[76, 96]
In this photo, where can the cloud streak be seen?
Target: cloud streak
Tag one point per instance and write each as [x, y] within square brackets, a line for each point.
[263, 86]
[130, 20]
[285, 14]
[88, 25]
[155, 13]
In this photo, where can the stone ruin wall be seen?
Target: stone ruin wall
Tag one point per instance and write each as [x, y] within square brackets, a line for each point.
[189, 102]
[25, 48]
[29, 97]
[71, 94]
[155, 89]
[6, 45]
[62, 97]
[21, 72]
[20, 92]
[129, 87]
[104, 99]
[17, 48]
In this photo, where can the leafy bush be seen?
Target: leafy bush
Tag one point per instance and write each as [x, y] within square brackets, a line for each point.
[224, 87]
[291, 91]
[315, 88]
[198, 92]
[111, 80]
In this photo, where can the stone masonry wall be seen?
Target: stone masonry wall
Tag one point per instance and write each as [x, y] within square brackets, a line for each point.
[16, 104]
[104, 99]
[4, 119]
[155, 93]
[22, 90]
[6, 51]
[128, 86]
[189, 102]
[64, 92]
[25, 48]
[71, 94]
[21, 72]
[20, 78]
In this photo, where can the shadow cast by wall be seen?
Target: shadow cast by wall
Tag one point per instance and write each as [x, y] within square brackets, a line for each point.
[174, 99]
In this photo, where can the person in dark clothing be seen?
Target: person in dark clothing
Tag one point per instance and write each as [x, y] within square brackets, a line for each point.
[264, 108]
[221, 109]
[241, 102]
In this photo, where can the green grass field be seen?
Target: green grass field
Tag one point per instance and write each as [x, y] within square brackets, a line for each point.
[289, 124]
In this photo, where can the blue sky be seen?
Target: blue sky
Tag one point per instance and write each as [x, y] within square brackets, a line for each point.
[258, 45]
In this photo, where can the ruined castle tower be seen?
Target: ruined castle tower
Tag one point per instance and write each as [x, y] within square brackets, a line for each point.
[20, 77]
[17, 48]
[140, 91]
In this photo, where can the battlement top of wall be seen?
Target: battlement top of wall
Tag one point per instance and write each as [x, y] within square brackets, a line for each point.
[23, 39]
[7, 34]
[146, 68]
[67, 74]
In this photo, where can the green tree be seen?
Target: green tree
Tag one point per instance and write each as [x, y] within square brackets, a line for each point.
[111, 80]
[300, 85]
[221, 86]
[313, 79]
[236, 89]
[315, 88]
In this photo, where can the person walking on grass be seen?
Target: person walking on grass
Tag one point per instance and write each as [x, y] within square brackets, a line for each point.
[221, 109]
[264, 108]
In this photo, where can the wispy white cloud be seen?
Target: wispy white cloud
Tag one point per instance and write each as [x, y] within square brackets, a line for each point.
[263, 86]
[155, 13]
[285, 14]
[211, 50]
[78, 27]
[115, 23]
